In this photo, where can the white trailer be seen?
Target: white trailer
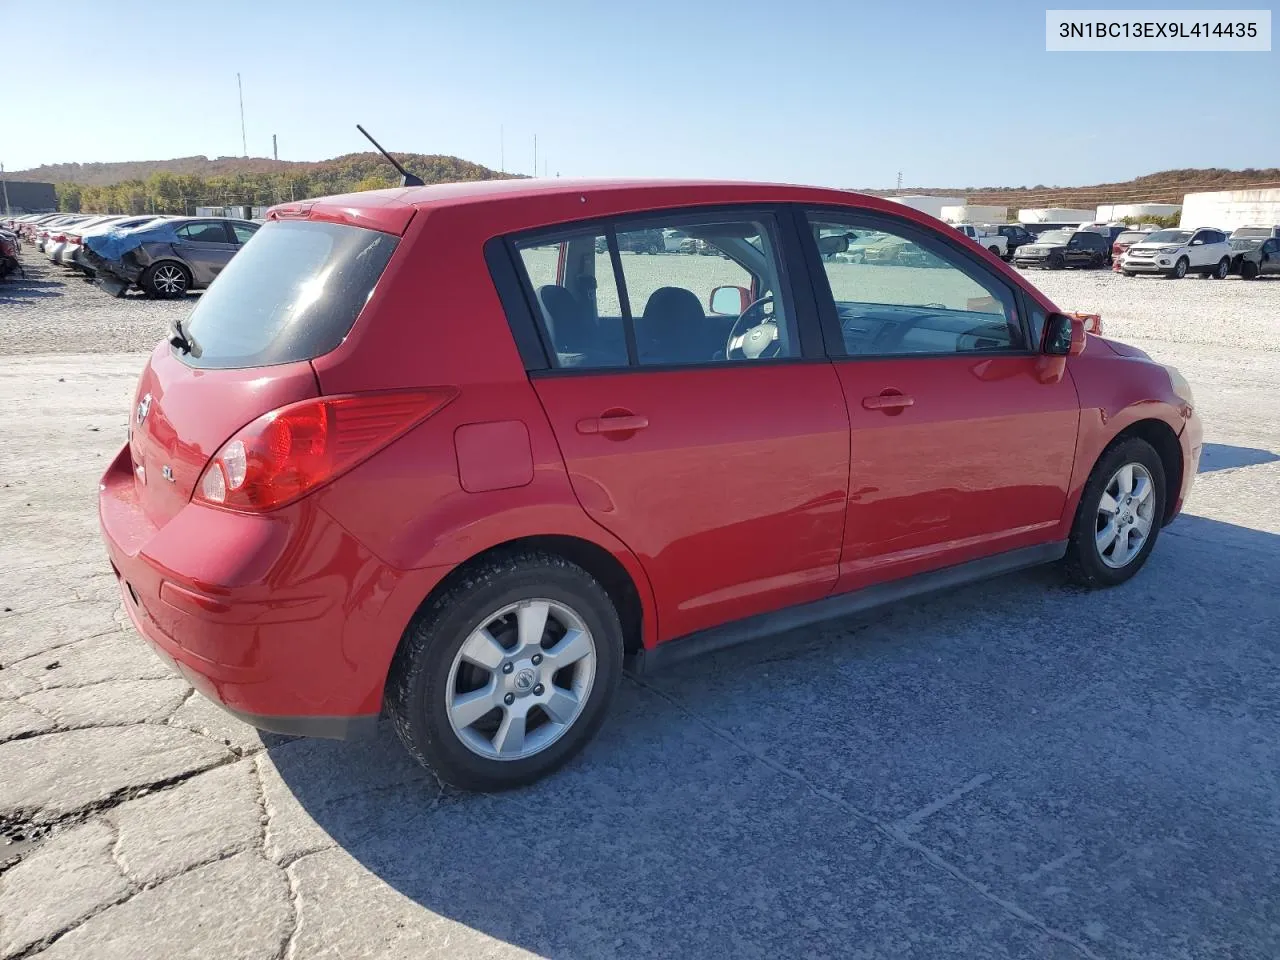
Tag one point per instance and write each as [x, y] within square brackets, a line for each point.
[1108, 212]
[926, 204]
[975, 213]
[1228, 209]
[1054, 215]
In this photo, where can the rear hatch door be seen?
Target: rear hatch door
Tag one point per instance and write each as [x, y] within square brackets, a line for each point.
[291, 294]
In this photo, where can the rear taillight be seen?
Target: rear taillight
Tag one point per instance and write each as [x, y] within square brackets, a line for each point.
[57, 238]
[289, 452]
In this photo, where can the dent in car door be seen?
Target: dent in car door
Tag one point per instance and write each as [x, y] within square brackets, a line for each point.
[958, 448]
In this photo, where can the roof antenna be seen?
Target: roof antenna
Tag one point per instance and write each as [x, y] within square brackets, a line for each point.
[407, 179]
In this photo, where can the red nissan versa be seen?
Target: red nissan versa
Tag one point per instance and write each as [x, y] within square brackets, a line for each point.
[456, 453]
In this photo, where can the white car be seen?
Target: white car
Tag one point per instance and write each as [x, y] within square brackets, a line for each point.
[1175, 253]
[61, 250]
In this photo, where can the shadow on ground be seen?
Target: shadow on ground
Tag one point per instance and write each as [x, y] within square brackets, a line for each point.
[1222, 456]
[1018, 768]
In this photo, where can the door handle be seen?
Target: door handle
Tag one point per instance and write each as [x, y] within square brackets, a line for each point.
[622, 424]
[888, 401]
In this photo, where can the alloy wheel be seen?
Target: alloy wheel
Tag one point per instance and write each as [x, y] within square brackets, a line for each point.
[521, 679]
[1126, 512]
[169, 280]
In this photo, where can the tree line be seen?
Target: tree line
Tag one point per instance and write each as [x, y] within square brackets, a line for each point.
[182, 193]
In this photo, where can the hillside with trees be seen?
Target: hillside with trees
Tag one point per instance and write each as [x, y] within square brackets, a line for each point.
[1168, 186]
[179, 186]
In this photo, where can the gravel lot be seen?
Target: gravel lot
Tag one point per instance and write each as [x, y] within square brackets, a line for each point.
[1018, 769]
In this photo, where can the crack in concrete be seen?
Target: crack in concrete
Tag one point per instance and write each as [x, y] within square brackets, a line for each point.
[60, 646]
[133, 891]
[890, 832]
[289, 943]
[117, 797]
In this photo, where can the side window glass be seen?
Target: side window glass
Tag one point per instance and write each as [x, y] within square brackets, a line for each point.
[242, 232]
[895, 297]
[204, 233]
[576, 298]
[705, 291]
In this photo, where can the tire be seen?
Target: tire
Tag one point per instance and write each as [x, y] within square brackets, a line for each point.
[429, 673]
[166, 280]
[1127, 273]
[995, 251]
[1092, 560]
[1221, 270]
[1179, 269]
[1249, 270]
[1055, 262]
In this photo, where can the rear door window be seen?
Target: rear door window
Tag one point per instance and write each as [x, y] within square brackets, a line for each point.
[243, 232]
[293, 294]
[210, 232]
[686, 288]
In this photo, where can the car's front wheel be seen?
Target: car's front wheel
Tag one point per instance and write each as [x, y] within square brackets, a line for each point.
[508, 673]
[1055, 261]
[1119, 516]
[1179, 269]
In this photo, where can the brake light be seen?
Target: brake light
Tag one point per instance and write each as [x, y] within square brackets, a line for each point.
[58, 238]
[289, 452]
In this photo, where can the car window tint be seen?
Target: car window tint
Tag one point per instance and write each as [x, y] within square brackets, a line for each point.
[897, 297]
[293, 294]
[713, 294]
[242, 232]
[203, 232]
[576, 298]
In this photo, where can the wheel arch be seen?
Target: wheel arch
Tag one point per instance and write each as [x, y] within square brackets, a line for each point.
[598, 561]
[1164, 440]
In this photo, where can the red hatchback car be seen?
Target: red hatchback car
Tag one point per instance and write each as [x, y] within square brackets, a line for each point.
[456, 454]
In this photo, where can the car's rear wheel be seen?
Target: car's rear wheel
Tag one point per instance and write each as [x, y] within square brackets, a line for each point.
[1249, 270]
[1119, 516]
[1221, 270]
[166, 280]
[1179, 269]
[994, 250]
[508, 673]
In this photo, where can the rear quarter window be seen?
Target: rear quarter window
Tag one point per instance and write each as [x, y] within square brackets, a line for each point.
[291, 293]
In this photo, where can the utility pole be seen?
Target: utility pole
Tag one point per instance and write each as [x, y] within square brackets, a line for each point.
[4, 184]
[899, 179]
[244, 143]
[275, 153]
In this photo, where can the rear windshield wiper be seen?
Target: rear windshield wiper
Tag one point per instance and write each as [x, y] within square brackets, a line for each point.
[183, 340]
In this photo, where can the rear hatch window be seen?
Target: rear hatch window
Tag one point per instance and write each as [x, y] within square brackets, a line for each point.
[292, 293]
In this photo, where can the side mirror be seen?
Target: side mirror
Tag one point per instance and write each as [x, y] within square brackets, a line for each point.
[835, 243]
[1064, 335]
[1196, 243]
[729, 301]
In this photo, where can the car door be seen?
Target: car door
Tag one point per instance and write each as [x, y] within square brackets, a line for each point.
[693, 425]
[960, 446]
[1077, 250]
[1200, 251]
[1270, 264]
[206, 246]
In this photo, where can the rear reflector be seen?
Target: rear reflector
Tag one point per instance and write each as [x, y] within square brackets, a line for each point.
[289, 452]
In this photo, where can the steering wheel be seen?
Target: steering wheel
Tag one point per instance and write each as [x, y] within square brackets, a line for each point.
[758, 340]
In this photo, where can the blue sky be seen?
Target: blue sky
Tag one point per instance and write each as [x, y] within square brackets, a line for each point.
[834, 93]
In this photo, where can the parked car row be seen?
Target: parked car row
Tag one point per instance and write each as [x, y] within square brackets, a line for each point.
[1250, 252]
[164, 256]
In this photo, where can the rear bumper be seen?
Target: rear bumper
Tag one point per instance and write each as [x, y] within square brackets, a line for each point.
[282, 619]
